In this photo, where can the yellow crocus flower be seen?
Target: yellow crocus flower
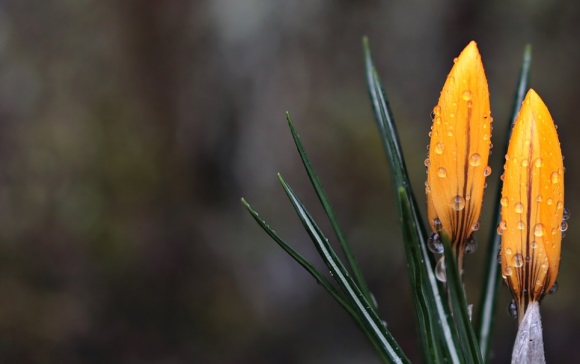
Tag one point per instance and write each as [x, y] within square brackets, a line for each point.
[532, 205]
[458, 153]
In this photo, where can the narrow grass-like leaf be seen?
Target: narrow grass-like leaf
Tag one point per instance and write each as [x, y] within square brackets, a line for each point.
[429, 305]
[355, 269]
[320, 278]
[457, 301]
[359, 303]
[492, 276]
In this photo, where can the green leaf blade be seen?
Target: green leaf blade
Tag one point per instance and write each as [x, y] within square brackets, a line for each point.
[323, 198]
[382, 338]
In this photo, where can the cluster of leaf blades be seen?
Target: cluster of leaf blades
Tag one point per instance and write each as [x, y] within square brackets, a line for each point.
[444, 326]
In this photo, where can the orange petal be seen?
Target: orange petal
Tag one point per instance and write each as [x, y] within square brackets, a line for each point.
[532, 204]
[459, 150]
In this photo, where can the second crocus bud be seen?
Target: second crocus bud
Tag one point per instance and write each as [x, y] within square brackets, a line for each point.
[458, 156]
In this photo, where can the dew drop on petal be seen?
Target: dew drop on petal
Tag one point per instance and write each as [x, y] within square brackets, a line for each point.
[525, 163]
[466, 95]
[539, 230]
[549, 201]
[504, 201]
[487, 171]
[476, 226]
[475, 159]
[519, 208]
[521, 225]
[518, 260]
[533, 244]
[564, 226]
[507, 271]
[554, 177]
[439, 148]
[458, 203]
[442, 172]
[554, 288]
[508, 251]
[427, 162]
[538, 162]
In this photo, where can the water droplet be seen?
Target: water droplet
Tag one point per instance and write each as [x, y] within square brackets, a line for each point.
[440, 270]
[564, 226]
[435, 244]
[427, 162]
[475, 159]
[538, 163]
[450, 133]
[525, 163]
[513, 309]
[476, 226]
[471, 245]
[436, 110]
[442, 172]
[469, 104]
[455, 60]
[504, 201]
[519, 208]
[555, 177]
[437, 224]
[566, 215]
[458, 203]
[549, 201]
[507, 271]
[439, 148]
[533, 244]
[466, 95]
[544, 266]
[487, 171]
[554, 288]
[539, 198]
[521, 225]
[508, 251]
[559, 205]
[539, 230]
[451, 115]
[518, 260]
[501, 227]
[432, 115]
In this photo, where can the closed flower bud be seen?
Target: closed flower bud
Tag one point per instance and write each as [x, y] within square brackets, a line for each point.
[532, 205]
[458, 152]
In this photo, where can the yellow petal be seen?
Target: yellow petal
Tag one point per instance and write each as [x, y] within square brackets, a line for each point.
[459, 150]
[532, 204]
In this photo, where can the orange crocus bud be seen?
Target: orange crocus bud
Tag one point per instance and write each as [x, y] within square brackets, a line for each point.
[458, 155]
[532, 205]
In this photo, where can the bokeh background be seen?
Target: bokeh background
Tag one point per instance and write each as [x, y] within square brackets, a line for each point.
[130, 129]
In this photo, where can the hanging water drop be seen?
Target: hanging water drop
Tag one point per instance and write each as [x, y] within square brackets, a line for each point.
[513, 309]
[442, 172]
[487, 171]
[566, 215]
[435, 244]
[476, 226]
[554, 288]
[439, 148]
[437, 224]
[440, 270]
[504, 201]
[554, 177]
[519, 208]
[539, 230]
[471, 245]
[564, 226]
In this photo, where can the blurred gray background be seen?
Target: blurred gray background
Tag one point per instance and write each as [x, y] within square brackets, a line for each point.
[130, 129]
